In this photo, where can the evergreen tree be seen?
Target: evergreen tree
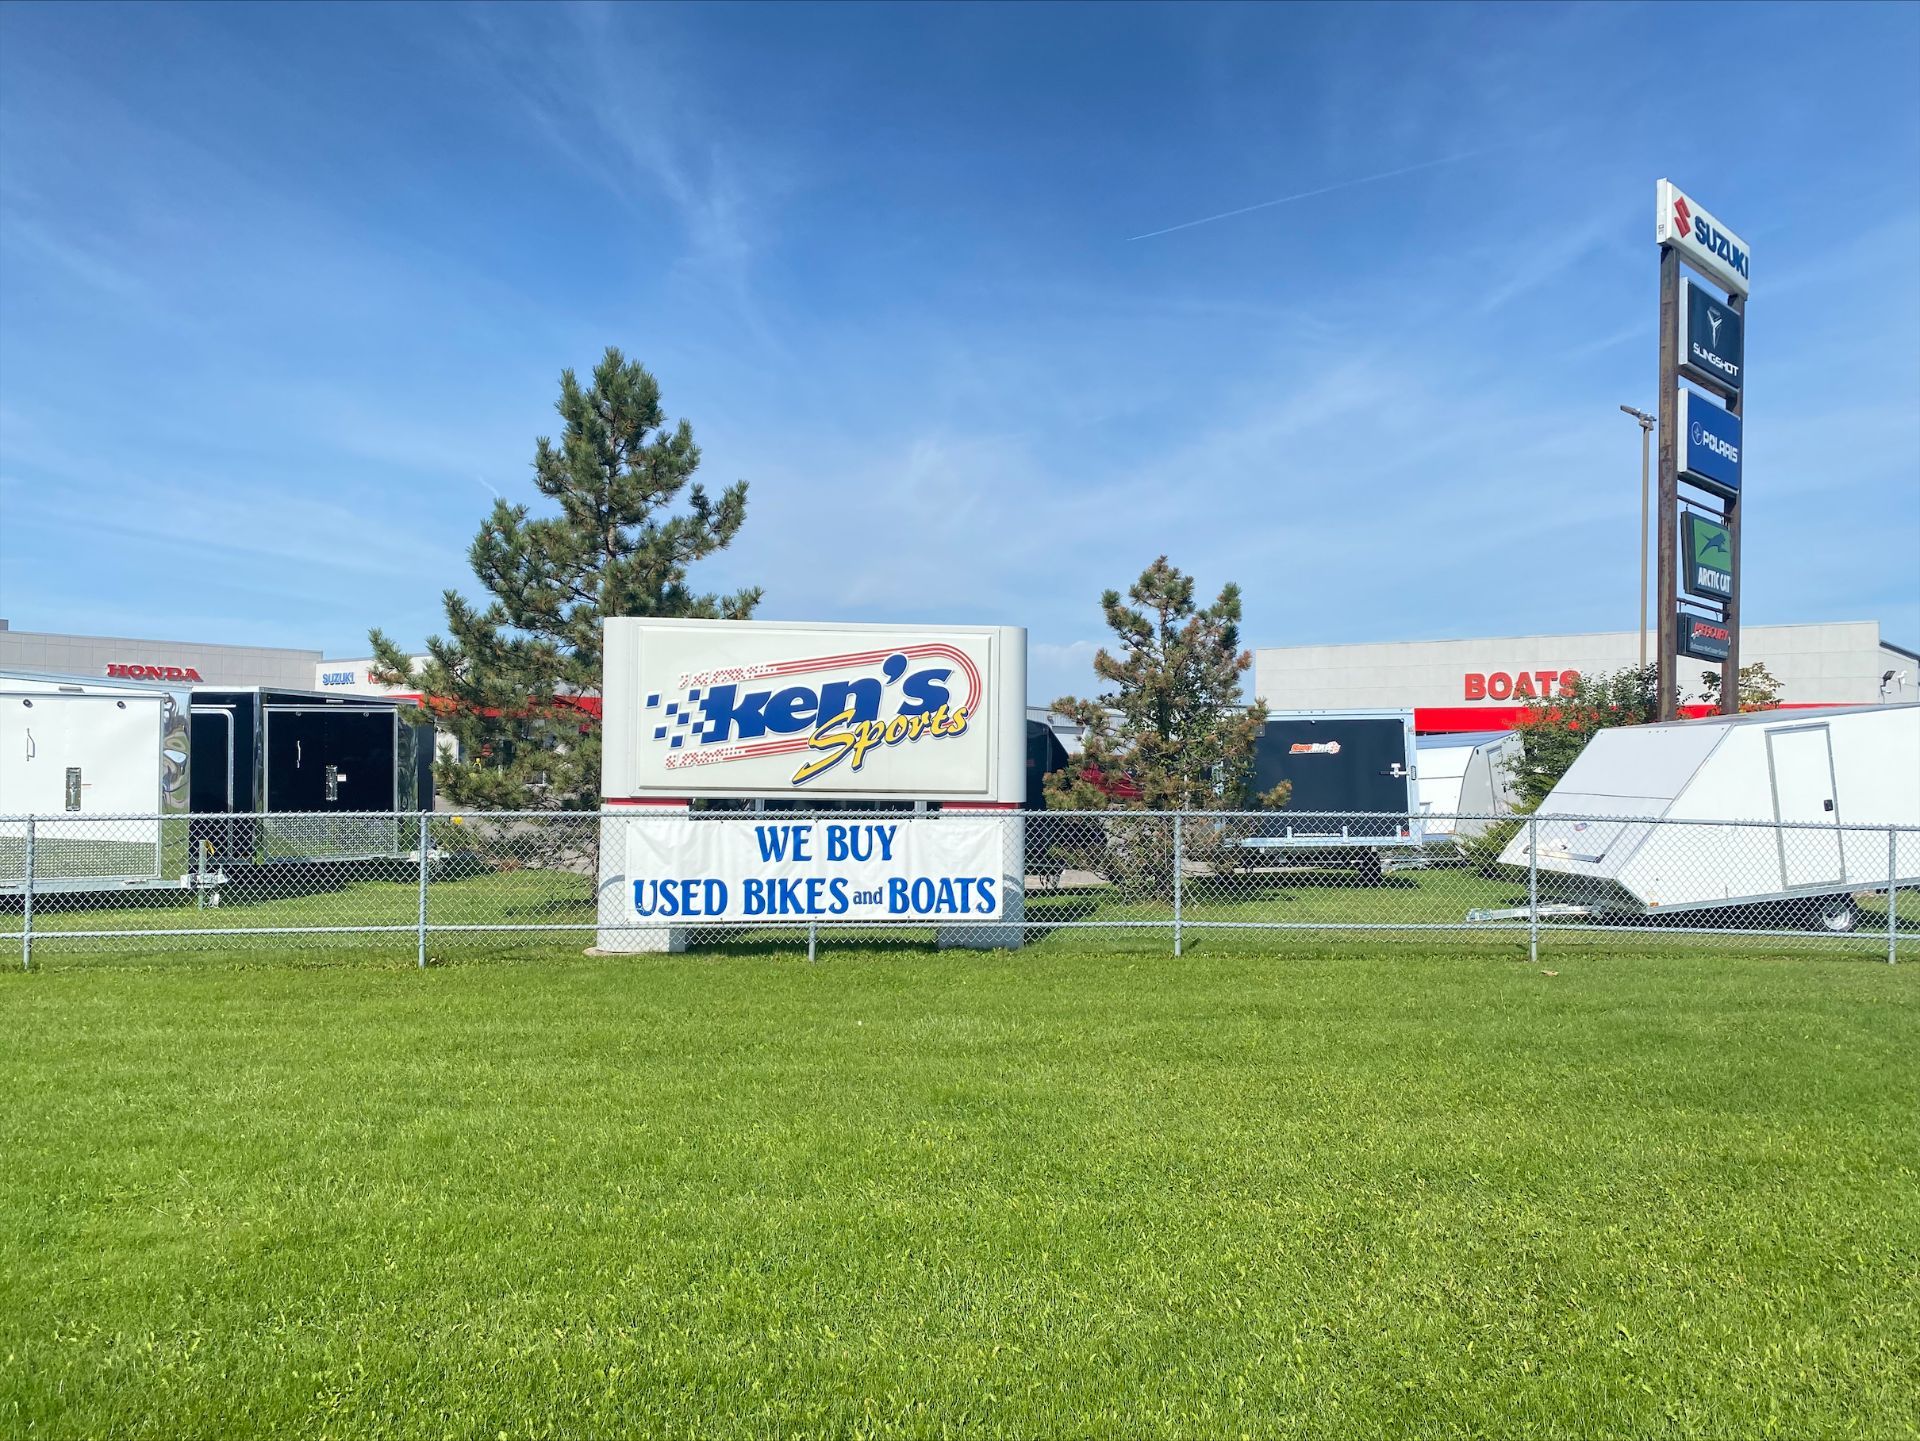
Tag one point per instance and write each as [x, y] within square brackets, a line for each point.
[1173, 733]
[509, 678]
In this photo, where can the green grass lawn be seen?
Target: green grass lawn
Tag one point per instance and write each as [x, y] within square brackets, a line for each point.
[1082, 1190]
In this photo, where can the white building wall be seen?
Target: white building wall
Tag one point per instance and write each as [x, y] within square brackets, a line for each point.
[92, 655]
[1840, 663]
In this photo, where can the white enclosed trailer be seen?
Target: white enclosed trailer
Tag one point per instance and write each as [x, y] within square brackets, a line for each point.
[1804, 802]
[1466, 775]
[103, 768]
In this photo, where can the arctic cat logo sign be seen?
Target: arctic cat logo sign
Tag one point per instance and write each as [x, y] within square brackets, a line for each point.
[1315, 748]
[824, 711]
[1709, 574]
[153, 672]
[1701, 239]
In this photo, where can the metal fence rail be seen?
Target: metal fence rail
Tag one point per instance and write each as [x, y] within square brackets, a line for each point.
[439, 884]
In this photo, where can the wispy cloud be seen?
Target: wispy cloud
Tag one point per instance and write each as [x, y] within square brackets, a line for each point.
[1311, 194]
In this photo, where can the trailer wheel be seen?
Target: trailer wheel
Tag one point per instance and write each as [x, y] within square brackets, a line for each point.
[1838, 914]
[1372, 871]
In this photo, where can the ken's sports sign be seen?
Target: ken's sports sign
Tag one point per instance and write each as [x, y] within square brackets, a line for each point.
[771, 709]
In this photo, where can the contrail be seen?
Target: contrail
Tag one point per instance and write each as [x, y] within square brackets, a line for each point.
[1309, 194]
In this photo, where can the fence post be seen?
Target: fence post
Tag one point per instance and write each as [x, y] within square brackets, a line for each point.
[1893, 893]
[423, 891]
[813, 937]
[1533, 888]
[26, 905]
[1179, 869]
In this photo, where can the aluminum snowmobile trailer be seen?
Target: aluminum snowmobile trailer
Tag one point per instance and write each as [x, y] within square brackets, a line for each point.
[104, 769]
[1465, 777]
[1805, 798]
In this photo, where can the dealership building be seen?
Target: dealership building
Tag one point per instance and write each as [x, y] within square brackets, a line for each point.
[193, 661]
[1450, 685]
[1481, 685]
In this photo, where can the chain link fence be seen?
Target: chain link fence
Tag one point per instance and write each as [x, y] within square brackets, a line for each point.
[440, 885]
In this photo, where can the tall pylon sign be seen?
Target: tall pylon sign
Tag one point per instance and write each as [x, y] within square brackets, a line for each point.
[1703, 363]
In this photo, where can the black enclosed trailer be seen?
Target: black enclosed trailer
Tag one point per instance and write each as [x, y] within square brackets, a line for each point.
[304, 776]
[1355, 785]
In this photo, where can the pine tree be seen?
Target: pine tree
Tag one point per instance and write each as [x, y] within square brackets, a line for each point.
[508, 679]
[1173, 733]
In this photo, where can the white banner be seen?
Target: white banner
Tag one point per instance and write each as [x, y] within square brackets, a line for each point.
[761, 868]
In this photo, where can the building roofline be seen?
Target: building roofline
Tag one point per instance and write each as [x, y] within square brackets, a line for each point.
[150, 640]
[1546, 635]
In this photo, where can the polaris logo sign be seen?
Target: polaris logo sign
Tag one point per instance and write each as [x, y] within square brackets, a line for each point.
[1703, 242]
[1710, 444]
[753, 709]
[1712, 341]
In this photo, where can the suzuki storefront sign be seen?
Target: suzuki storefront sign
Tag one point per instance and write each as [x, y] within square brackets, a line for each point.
[1709, 444]
[1703, 242]
[704, 869]
[1712, 340]
[1709, 571]
[805, 712]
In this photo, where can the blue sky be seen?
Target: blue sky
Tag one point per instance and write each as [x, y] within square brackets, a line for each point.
[285, 292]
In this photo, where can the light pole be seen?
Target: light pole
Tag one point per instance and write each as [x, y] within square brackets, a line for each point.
[1647, 423]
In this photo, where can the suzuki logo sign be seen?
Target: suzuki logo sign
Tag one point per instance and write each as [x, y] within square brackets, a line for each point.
[1703, 242]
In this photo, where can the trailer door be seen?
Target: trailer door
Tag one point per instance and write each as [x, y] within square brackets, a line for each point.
[296, 759]
[212, 731]
[1800, 759]
[361, 761]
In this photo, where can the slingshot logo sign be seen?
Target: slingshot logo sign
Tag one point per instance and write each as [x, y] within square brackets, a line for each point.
[1712, 341]
[1703, 241]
